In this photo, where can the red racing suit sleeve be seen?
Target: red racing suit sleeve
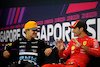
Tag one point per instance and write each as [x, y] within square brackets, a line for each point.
[95, 50]
[66, 52]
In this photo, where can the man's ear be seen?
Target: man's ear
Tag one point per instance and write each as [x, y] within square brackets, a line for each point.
[81, 29]
[25, 31]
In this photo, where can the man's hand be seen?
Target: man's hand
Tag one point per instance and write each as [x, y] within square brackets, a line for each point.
[6, 54]
[48, 51]
[60, 45]
[77, 43]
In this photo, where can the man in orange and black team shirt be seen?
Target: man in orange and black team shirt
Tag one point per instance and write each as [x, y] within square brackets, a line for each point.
[31, 51]
[79, 49]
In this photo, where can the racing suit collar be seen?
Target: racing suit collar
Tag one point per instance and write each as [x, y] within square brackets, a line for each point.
[83, 37]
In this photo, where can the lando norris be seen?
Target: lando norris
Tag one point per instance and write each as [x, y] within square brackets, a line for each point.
[30, 51]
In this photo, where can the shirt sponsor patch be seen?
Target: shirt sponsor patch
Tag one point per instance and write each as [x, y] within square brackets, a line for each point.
[23, 42]
[22, 46]
[28, 53]
[20, 39]
[34, 42]
[72, 52]
[96, 46]
[10, 44]
[84, 43]
[22, 50]
[73, 47]
[34, 46]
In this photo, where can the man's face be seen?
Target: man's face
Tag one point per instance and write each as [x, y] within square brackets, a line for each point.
[76, 31]
[32, 33]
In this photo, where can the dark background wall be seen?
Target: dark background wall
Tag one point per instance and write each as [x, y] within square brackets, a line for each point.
[24, 3]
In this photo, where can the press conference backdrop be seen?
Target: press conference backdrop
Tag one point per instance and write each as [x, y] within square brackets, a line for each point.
[53, 20]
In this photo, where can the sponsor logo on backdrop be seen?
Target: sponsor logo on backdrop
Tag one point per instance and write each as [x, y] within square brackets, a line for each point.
[54, 28]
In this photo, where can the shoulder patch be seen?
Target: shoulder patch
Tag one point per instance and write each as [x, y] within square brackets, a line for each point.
[20, 39]
[10, 44]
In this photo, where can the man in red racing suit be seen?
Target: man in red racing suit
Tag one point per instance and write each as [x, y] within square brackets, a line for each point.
[79, 49]
[77, 54]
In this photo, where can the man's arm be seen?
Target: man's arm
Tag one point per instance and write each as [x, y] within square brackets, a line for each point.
[94, 50]
[6, 53]
[85, 48]
[8, 48]
[63, 53]
[45, 48]
[80, 45]
[48, 51]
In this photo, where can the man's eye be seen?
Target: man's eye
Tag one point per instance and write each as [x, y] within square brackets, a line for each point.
[34, 30]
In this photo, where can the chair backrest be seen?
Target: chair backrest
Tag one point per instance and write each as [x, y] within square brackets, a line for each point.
[94, 62]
